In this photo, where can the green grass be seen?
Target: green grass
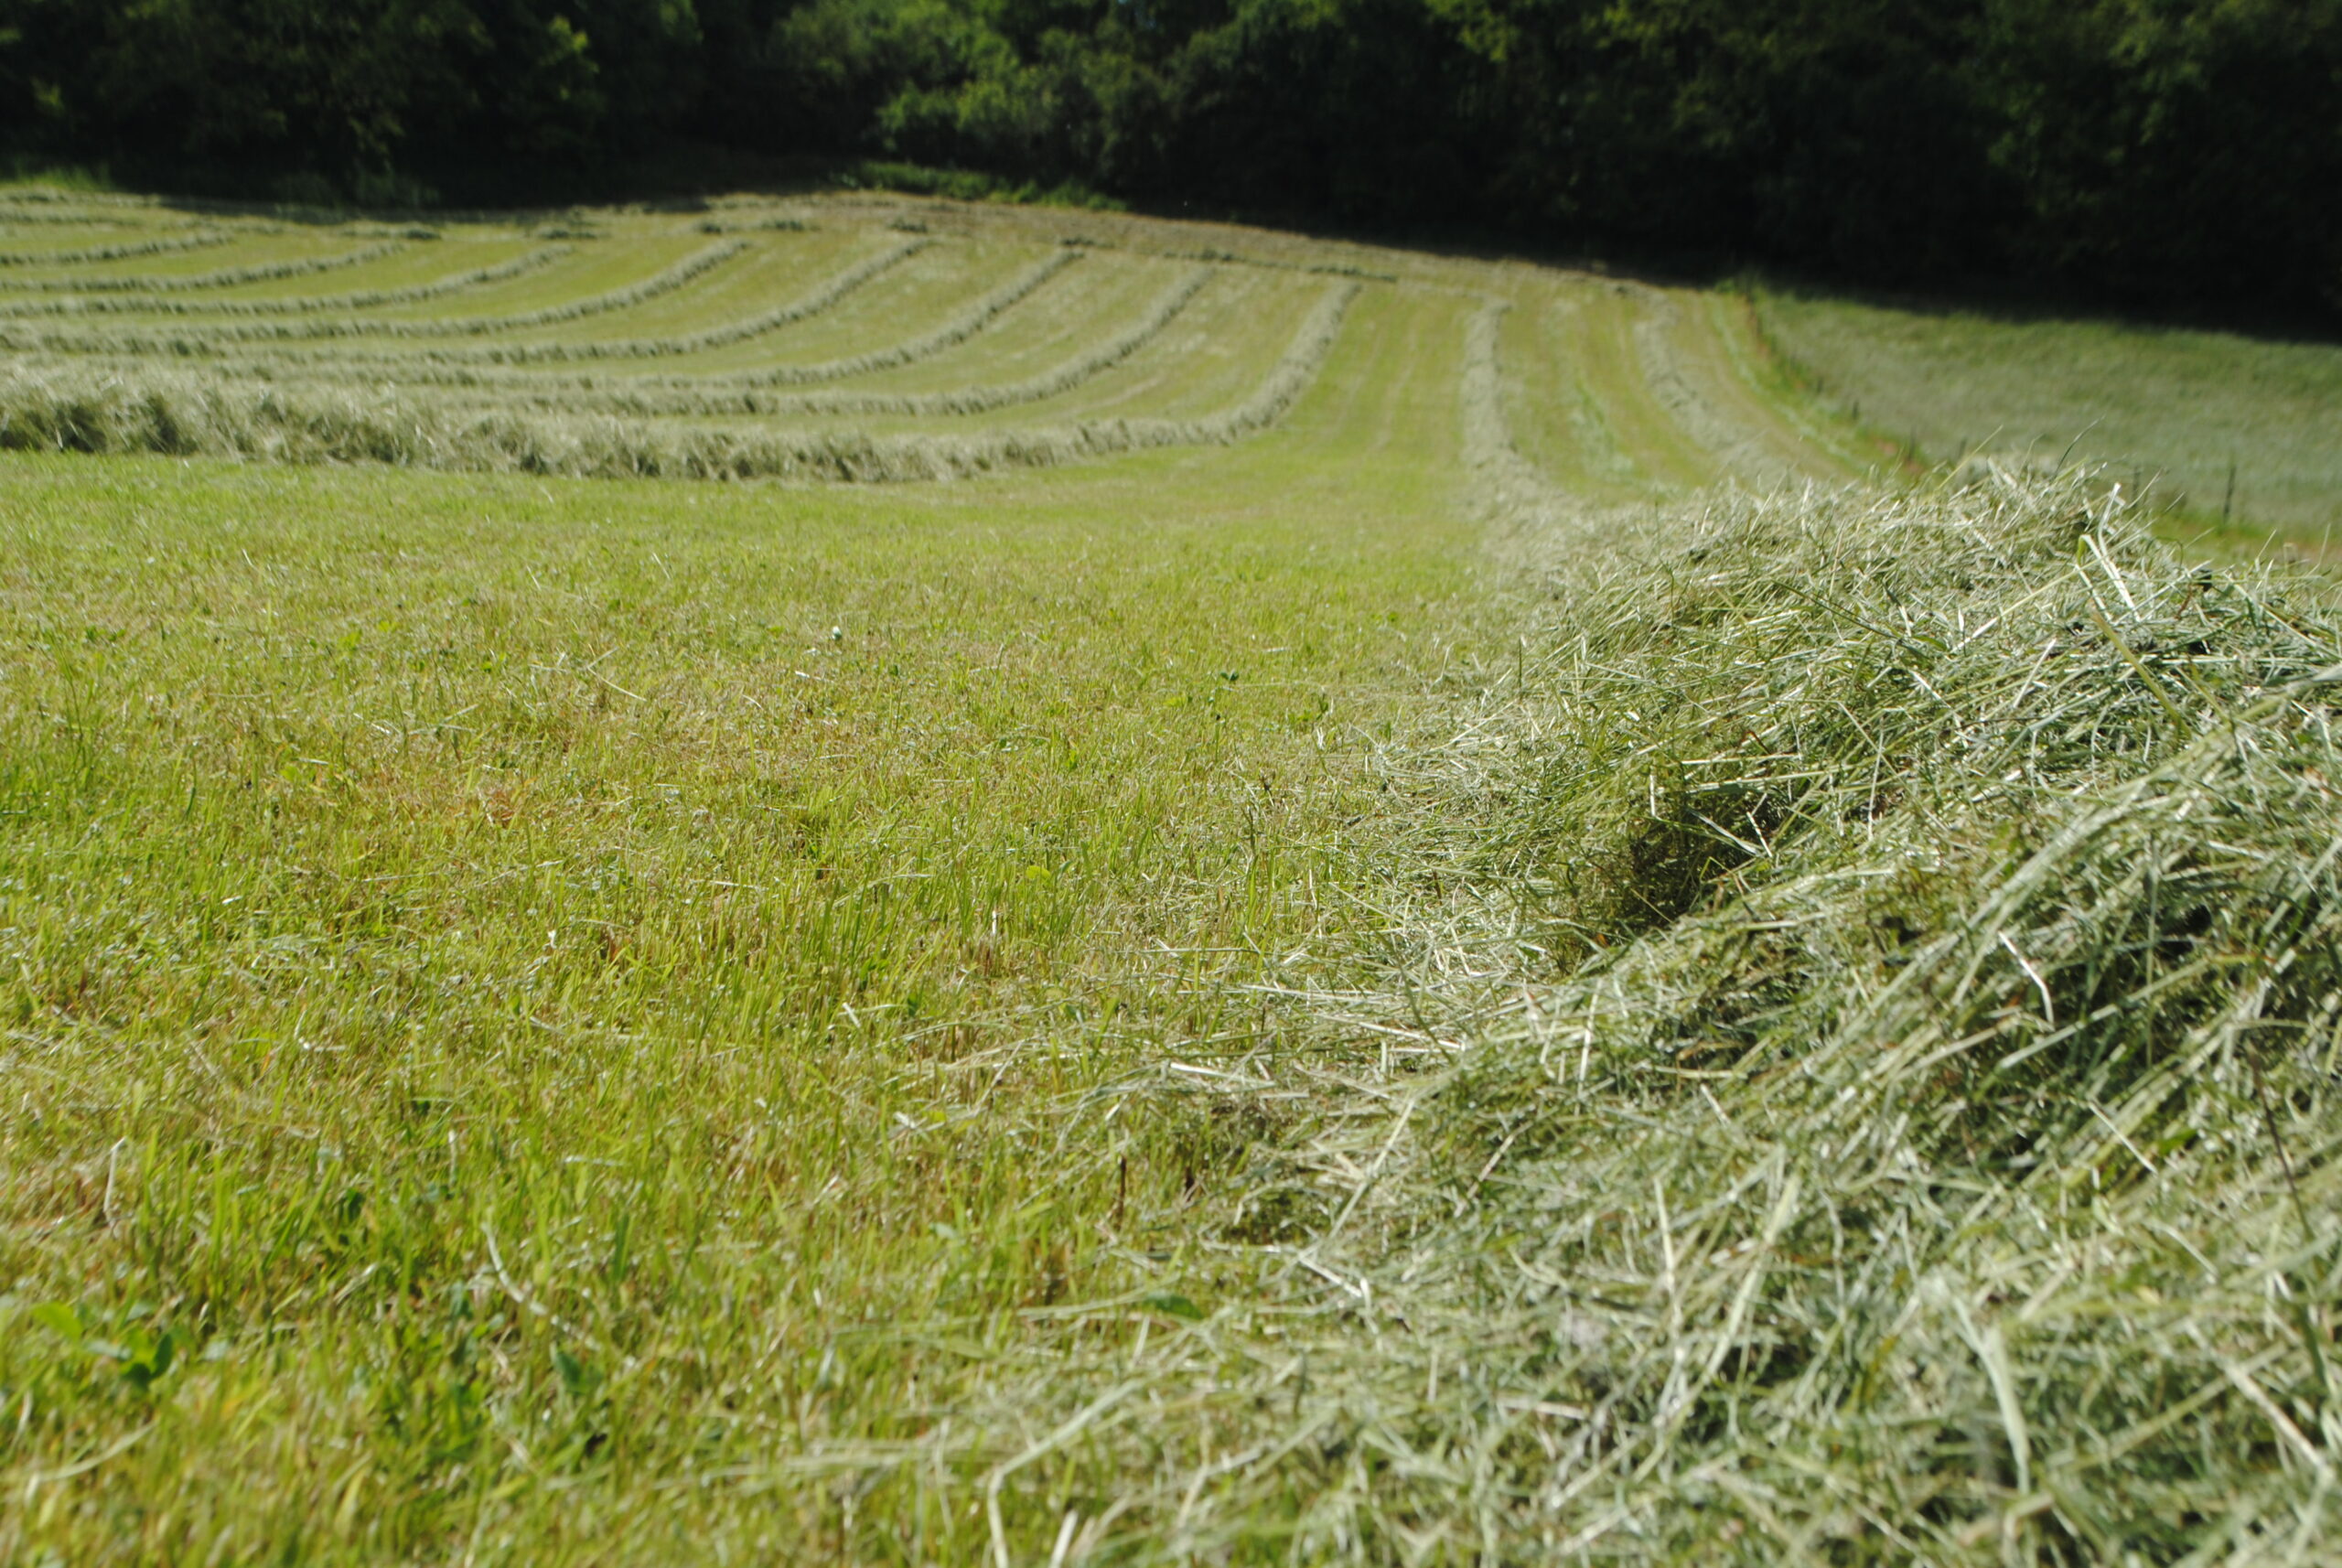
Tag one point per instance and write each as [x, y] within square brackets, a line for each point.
[741, 886]
[472, 867]
[2177, 409]
[247, 249]
[1350, 952]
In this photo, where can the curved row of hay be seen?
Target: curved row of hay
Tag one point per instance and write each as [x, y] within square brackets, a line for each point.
[364, 374]
[210, 340]
[717, 395]
[825, 293]
[526, 374]
[66, 409]
[81, 285]
[161, 298]
[118, 251]
[735, 393]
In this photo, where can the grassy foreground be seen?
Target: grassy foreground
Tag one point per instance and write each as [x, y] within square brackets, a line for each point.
[522, 998]
[1825, 1051]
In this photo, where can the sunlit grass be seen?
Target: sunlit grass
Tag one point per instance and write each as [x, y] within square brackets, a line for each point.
[528, 986]
[2223, 425]
[563, 1020]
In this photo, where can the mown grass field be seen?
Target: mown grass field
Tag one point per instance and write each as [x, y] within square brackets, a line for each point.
[2239, 432]
[1390, 909]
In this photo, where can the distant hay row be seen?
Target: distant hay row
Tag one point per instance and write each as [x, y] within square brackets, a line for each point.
[73, 410]
[132, 341]
[723, 391]
[163, 303]
[436, 371]
[955, 331]
[499, 368]
[100, 218]
[821, 297]
[222, 277]
[710, 396]
[341, 401]
[125, 251]
[49, 194]
[1507, 485]
[426, 366]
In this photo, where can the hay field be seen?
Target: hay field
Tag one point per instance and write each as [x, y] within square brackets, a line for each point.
[1265, 901]
[2238, 432]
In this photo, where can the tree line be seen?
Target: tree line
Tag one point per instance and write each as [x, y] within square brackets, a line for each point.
[2144, 150]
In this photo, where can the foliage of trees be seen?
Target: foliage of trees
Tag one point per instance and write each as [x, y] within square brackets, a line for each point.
[2145, 148]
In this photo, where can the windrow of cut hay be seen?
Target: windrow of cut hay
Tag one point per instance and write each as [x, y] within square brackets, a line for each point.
[1659, 354]
[219, 277]
[213, 340]
[45, 196]
[742, 392]
[14, 216]
[822, 296]
[1857, 1080]
[961, 326]
[73, 408]
[472, 368]
[164, 301]
[1059, 379]
[709, 396]
[120, 250]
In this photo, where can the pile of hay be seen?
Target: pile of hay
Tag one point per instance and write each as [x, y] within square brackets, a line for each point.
[1879, 982]
[63, 407]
